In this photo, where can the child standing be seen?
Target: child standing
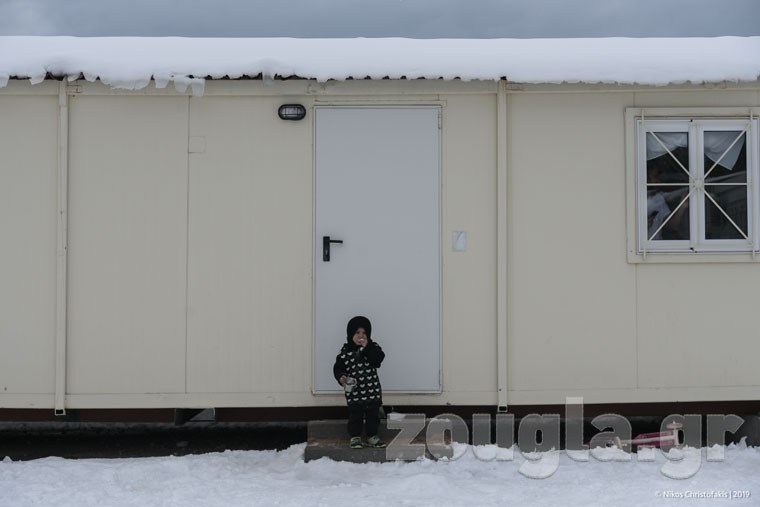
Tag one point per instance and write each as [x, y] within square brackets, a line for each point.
[359, 359]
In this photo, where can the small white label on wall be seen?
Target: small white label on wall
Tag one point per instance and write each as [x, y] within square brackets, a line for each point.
[459, 241]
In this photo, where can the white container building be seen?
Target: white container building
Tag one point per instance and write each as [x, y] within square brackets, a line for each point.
[522, 221]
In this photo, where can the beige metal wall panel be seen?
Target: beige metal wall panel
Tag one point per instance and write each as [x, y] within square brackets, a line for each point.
[28, 150]
[697, 325]
[190, 251]
[572, 296]
[469, 277]
[584, 322]
[259, 399]
[250, 247]
[127, 244]
[640, 395]
[701, 98]
[249, 292]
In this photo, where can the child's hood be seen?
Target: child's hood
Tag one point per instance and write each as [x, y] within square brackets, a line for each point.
[355, 323]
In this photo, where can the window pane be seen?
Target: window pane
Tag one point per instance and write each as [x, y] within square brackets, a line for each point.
[661, 166]
[733, 159]
[662, 202]
[733, 200]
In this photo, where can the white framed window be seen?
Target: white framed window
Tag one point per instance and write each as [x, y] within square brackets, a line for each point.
[696, 185]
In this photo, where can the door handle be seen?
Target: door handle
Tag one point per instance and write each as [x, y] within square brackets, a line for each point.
[326, 247]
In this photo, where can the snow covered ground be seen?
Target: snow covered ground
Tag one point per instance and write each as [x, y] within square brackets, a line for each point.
[281, 478]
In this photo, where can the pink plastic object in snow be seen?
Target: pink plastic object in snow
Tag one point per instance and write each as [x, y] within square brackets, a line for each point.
[656, 439]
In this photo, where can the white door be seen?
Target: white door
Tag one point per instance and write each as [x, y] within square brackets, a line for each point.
[377, 190]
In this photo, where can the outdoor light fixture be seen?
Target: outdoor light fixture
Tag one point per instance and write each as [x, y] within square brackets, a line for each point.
[291, 112]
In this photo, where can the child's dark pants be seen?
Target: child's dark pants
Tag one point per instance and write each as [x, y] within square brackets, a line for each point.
[356, 417]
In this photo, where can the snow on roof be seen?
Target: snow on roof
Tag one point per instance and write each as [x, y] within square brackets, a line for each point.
[131, 62]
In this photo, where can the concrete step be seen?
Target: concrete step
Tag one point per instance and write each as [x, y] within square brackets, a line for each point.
[329, 439]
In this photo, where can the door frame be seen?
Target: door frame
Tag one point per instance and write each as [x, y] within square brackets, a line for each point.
[437, 105]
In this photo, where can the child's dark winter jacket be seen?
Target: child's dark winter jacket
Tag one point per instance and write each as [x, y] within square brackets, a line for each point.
[362, 364]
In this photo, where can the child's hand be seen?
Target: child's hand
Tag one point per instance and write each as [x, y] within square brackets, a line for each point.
[362, 342]
[342, 380]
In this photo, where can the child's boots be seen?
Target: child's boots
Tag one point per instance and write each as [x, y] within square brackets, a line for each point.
[374, 441]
